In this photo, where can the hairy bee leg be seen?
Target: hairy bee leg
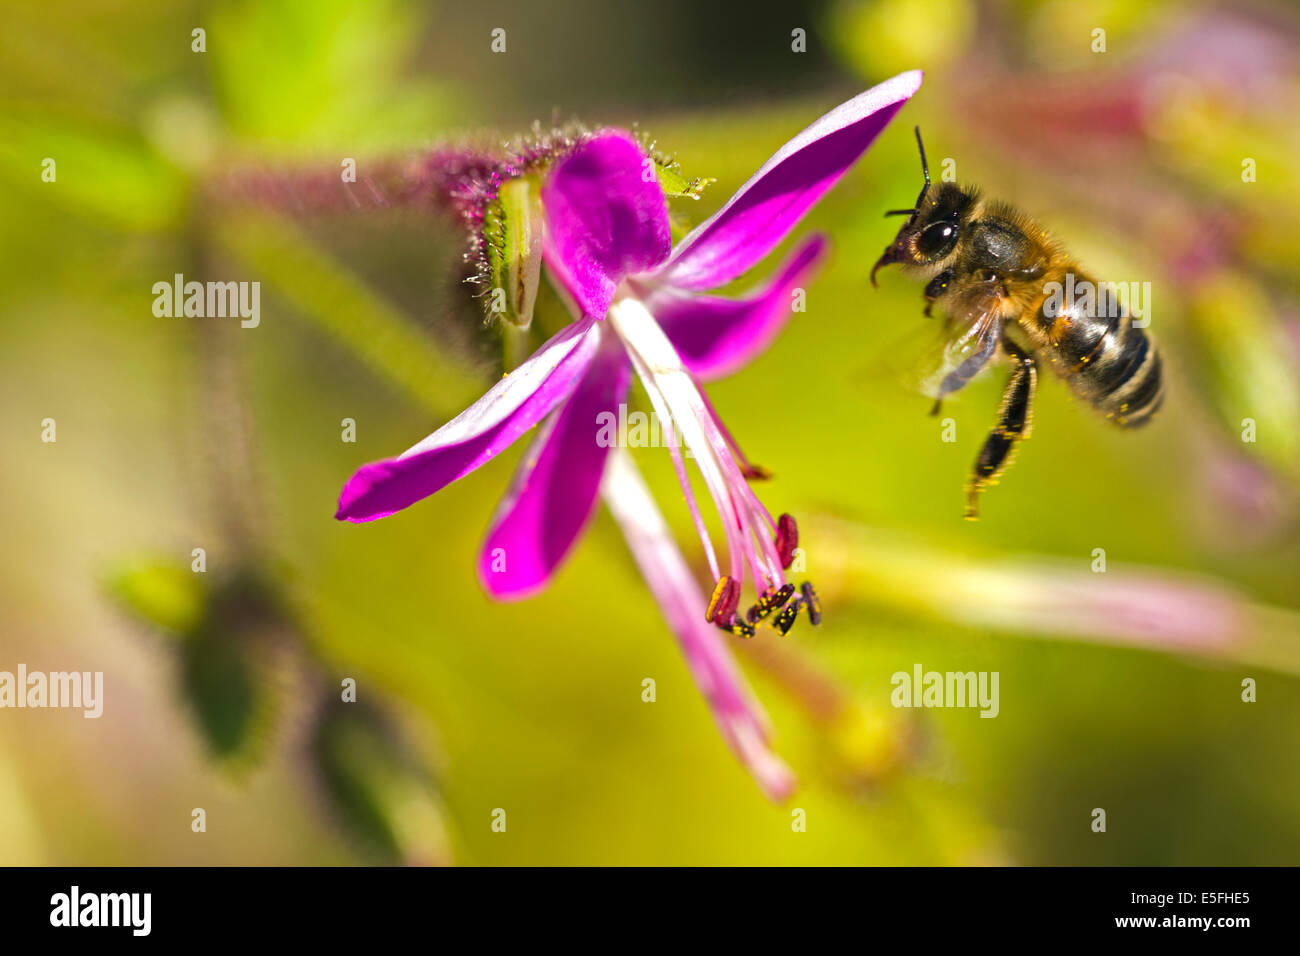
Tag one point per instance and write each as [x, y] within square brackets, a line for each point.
[936, 288]
[1014, 420]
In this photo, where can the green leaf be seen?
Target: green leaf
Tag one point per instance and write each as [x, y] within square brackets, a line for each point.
[382, 794]
[231, 670]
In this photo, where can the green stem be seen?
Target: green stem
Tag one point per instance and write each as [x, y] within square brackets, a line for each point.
[327, 294]
[516, 345]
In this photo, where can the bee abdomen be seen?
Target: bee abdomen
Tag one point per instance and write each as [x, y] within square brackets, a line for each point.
[1132, 385]
[1109, 362]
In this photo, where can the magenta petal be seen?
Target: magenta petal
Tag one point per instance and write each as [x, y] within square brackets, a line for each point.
[716, 336]
[739, 717]
[508, 409]
[604, 220]
[766, 208]
[554, 492]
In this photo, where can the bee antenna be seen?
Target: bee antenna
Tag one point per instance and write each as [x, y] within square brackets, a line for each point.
[925, 167]
[900, 212]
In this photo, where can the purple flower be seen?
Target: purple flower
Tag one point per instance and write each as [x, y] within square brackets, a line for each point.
[641, 307]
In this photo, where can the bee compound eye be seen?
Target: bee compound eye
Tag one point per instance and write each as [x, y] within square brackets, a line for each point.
[936, 240]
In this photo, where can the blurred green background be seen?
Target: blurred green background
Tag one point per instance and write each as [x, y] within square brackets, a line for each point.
[173, 434]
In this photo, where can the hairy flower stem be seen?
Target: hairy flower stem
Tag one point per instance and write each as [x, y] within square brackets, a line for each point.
[434, 180]
[1155, 609]
[329, 295]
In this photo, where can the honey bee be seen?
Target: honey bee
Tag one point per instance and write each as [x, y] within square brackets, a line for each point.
[995, 275]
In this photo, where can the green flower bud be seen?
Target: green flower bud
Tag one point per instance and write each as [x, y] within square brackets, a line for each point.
[512, 231]
[231, 640]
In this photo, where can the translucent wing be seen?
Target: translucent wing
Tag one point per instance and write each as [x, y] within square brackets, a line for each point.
[970, 339]
[891, 361]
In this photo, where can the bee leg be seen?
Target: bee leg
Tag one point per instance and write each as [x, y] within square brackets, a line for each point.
[936, 407]
[1014, 419]
[935, 288]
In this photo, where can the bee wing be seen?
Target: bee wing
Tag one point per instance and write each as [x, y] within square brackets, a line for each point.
[892, 364]
[970, 338]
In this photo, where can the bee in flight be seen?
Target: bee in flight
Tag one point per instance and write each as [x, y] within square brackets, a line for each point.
[996, 276]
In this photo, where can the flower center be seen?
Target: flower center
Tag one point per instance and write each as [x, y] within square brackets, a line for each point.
[757, 546]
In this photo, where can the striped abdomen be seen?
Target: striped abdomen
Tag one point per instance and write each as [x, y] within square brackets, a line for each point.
[1100, 354]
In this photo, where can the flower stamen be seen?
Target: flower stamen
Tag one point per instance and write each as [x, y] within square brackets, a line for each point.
[738, 627]
[814, 603]
[751, 470]
[723, 603]
[769, 602]
[757, 546]
[786, 618]
[789, 613]
[787, 539]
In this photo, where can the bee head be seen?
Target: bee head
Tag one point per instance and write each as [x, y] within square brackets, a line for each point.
[933, 226]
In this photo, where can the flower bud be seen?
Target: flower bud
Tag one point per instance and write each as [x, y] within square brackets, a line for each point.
[512, 232]
[231, 639]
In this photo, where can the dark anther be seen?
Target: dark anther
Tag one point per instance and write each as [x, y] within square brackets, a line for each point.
[787, 539]
[738, 627]
[814, 603]
[785, 620]
[769, 602]
[723, 603]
